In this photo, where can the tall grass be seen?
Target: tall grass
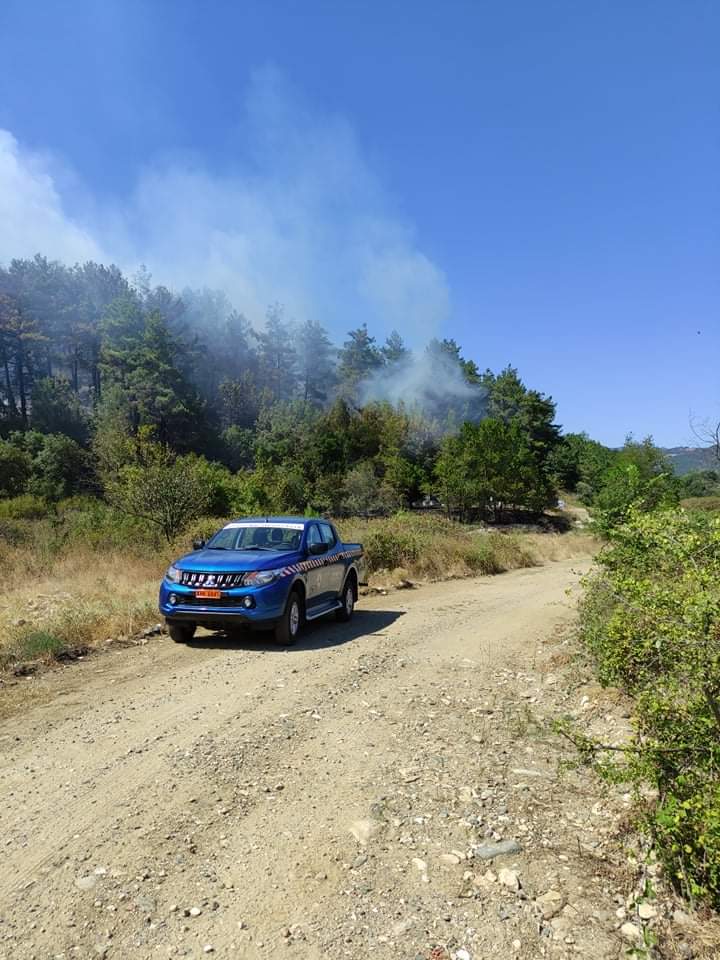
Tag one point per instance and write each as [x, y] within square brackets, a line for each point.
[431, 547]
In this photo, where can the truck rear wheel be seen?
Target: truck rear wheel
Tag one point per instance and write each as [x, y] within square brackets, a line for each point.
[288, 627]
[181, 632]
[344, 612]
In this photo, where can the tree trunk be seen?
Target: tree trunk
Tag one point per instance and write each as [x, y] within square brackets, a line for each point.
[20, 373]
[74, 368]
[12, 406]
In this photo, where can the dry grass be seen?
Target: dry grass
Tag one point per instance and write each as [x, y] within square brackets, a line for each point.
[78, 601]
[71, 592]
[705, 504]
[430, 547]
[561, 546]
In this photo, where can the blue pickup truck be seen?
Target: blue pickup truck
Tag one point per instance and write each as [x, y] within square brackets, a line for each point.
[263, 572]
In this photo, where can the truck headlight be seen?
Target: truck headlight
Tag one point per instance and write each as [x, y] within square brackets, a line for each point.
[172, 574]
[260, 578]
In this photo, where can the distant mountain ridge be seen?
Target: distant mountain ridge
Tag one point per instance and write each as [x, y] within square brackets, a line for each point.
[689, 459]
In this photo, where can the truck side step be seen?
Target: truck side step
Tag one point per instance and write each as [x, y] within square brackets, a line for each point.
[321, 613]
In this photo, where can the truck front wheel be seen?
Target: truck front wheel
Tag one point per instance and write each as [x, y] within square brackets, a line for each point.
[181, 632]
[288, 627]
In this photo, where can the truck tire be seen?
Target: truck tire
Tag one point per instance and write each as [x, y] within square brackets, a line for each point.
[347, 601]
[288, 626]
[181, 632]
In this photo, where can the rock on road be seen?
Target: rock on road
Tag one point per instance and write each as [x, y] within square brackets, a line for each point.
[235, 799]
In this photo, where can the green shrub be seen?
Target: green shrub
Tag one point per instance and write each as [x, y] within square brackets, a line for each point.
[15, 469]
[40, 643]
[651, 618]
[626, 491]
[25, 507]
[387, 549]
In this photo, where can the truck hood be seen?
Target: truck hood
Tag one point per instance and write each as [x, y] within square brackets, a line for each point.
[237, 561]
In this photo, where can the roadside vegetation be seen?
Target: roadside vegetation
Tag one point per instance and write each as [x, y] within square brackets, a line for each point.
[650, 618]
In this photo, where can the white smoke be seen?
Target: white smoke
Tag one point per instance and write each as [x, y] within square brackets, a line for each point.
[299, 218]
[32, 218]
[431, 383]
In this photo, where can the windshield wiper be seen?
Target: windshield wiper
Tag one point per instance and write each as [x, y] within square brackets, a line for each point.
[255, 547]
[217, 548]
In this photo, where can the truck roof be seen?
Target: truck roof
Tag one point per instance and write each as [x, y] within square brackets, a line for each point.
[279, 519]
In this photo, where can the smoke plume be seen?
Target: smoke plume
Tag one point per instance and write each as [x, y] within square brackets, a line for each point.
[297, 216]
[431, 383]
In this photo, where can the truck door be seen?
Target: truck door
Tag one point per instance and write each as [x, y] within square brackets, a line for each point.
[335, 568]
[315, 577]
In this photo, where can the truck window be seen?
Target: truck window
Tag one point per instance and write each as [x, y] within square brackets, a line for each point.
[313, 535]
[326, 531]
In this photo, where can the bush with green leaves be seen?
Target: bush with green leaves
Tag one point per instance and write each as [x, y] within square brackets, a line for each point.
[47, 465]
[15, 469]
[651, 619]
[159, 487]
[626, 491]
[25, 507]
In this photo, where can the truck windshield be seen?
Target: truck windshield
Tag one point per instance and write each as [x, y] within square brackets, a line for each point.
[264, 536]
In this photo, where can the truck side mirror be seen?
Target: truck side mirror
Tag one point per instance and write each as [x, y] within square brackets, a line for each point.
[198, 544]
[316, 548]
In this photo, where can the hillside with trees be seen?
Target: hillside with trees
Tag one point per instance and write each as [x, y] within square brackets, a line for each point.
[107, 379]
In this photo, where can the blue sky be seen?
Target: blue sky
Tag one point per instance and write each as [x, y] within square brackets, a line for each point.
[537, 180]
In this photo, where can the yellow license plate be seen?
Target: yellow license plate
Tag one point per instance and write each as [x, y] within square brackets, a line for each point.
[208, 594]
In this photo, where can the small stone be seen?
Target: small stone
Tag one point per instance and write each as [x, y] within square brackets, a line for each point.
[195, 911]
[85, 883]
[631, 932]
[363, 830]
[550, 903]
[462, 954]
[488, 851]
[646, 911]
[509, 879]
[208, 948]
[359, 861]
[450, 859]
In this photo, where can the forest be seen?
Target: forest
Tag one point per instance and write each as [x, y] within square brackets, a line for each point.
[102, 373]
[173, 405]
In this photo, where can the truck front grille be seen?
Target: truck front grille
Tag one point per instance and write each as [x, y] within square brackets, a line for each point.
[222, 581]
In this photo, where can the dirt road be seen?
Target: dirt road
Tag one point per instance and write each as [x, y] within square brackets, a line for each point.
[240, 800]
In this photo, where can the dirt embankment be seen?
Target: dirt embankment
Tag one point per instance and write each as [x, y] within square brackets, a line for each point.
[337, 799]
